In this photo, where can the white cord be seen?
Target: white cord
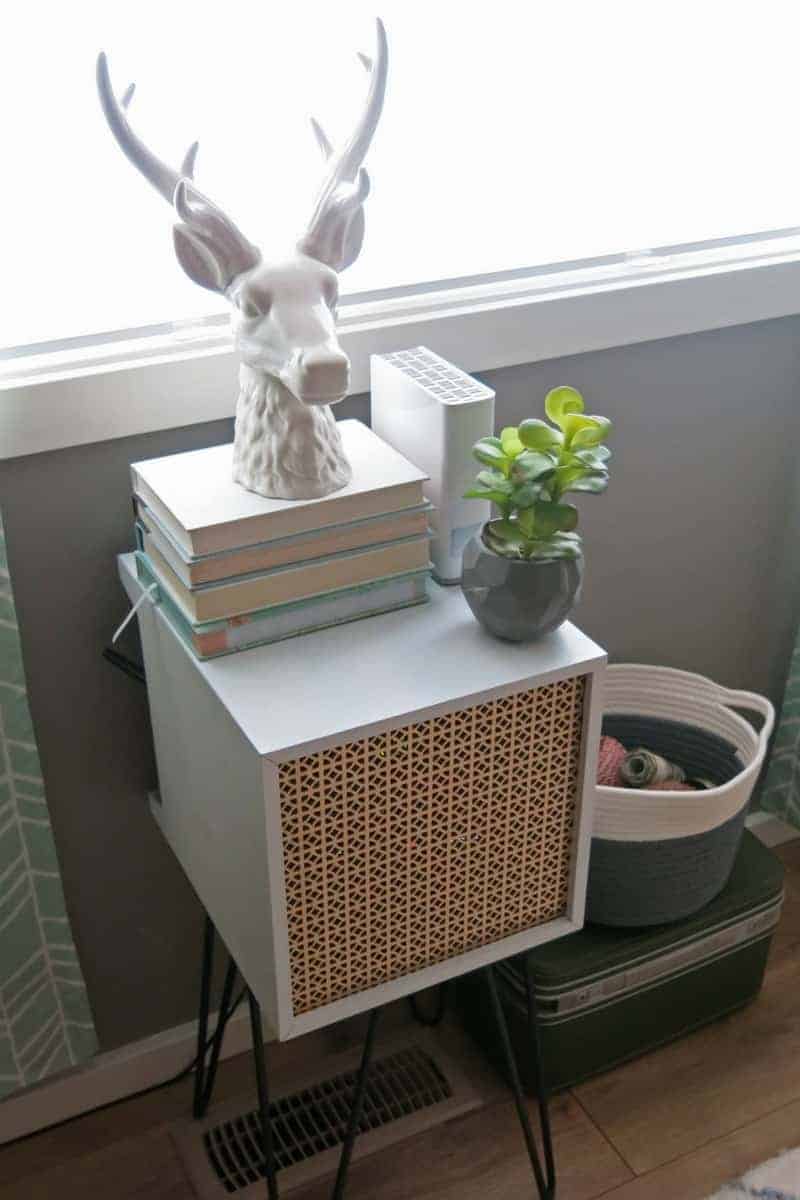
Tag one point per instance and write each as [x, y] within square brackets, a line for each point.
[146, 595]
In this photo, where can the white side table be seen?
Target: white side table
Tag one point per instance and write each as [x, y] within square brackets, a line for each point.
[370, 810]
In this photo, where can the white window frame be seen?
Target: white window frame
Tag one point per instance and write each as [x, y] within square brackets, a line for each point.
[145, 380]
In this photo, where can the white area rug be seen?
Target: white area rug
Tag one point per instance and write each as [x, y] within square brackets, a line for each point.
[778, 1179]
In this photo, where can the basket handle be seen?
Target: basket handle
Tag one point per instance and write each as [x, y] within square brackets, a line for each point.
[754, 702]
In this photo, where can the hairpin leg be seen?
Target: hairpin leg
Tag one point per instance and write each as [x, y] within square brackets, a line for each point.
[219, 1034]
[545, 1183]
[206, 1069]
[202, 1017]
[259, 1060]
[542, 1096]
[356, 1108]
[429, 1020]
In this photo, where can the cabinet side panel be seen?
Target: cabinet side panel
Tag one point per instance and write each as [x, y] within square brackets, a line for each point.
[212, 805]
[587, 775]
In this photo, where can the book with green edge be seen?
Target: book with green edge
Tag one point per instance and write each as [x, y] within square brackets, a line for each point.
[210, 639]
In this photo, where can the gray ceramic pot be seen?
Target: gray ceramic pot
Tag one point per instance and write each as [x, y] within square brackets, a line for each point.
[516, 599]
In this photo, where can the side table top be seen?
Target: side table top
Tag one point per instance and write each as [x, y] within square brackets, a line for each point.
[308, 690]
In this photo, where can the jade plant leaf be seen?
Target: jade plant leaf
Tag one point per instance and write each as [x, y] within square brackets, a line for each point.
[505, 537]
[560, 402]
[491, 455]
[527, 521]
[533, 464]
[560, 545]
[596, 482]
[526, 494]
[590, 432]
[596, 457]
[483, 493]
[505, 529]
[496, 480]
[510, 442]
[566, 475]
[551, 518]
[538, 435]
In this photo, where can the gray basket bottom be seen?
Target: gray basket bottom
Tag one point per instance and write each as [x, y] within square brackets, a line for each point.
[651, 883]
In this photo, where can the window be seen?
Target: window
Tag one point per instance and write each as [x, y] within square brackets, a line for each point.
[514, 135]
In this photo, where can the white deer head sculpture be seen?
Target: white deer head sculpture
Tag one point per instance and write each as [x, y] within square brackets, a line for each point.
[284, 313]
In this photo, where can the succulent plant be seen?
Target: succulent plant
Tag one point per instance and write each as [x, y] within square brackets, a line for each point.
[528, 469]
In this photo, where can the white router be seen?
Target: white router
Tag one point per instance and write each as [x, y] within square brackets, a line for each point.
[433, 413]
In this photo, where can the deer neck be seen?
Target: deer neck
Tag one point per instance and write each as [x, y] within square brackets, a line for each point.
[283, 448]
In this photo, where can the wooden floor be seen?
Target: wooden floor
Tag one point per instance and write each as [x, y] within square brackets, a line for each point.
[675, 1123]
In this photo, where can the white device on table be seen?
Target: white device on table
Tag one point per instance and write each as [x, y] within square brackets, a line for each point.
[433, 413]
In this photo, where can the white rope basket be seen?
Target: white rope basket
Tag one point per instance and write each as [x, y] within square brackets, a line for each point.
[639, 815]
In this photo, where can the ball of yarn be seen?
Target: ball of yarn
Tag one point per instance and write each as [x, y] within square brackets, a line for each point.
[609, 761]
[644, 768]
[670, 785]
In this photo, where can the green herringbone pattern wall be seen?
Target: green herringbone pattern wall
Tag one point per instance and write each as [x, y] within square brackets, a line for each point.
[781, 792]
[45, 1019]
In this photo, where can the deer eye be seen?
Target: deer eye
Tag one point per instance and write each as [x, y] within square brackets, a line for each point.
[254, 304]
[330, 290]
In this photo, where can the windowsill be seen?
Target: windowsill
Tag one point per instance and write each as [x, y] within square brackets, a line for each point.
[187, 375]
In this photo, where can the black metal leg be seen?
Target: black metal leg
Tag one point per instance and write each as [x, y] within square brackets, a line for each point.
[206, 1068]
[263, 1096]
[429, 1020]
[219, 1034]
[539, 1081]
[206, 1072]
[202, 1018]
[356, 1108]
[546, 1186]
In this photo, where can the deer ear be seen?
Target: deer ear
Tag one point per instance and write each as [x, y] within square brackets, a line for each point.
[198, 259]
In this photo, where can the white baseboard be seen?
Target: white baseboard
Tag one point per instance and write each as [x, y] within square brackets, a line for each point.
[112, 1076]
[770, 830]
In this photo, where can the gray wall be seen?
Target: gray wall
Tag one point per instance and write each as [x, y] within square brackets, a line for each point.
[690, 562]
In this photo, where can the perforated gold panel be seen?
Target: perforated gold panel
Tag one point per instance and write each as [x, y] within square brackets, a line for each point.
[415, 845]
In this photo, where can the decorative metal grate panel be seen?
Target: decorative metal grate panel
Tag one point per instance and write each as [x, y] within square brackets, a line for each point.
[415, 845]
[314, 1120]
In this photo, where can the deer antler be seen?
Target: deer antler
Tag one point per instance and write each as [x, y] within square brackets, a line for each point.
[336, 229]
[163, 178]
[210, 247]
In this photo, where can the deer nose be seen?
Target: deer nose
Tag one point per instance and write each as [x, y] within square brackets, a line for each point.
[323, 374]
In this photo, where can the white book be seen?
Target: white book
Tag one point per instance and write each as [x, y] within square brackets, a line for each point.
[195, 499]
[279, 552]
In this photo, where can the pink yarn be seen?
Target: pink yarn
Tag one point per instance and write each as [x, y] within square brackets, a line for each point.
[609, 761]
[669, 785]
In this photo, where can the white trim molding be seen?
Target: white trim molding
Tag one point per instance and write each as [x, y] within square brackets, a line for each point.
[115, 387]
[114, 1075]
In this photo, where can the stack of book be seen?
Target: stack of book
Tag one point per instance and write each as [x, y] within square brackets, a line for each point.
[234, 569]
